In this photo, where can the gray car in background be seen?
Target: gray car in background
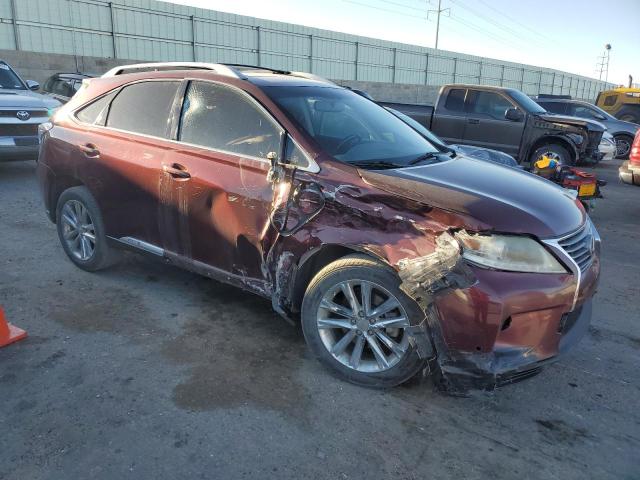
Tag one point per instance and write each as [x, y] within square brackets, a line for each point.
[22, 110]
[623, 132]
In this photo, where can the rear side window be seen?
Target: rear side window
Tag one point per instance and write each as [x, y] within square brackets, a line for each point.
[220, 118]
[144, 108]
[610, 100]
[96, 112]
[455, 100]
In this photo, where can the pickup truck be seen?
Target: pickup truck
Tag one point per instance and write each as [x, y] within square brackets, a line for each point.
[507, 120]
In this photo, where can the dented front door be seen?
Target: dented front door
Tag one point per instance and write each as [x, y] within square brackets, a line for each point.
[224, 200]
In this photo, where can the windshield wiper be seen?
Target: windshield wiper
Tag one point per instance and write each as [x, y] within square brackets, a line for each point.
[424, 157]
[377, 164]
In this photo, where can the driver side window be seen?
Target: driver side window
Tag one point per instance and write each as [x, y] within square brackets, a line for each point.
[220, 118]
[584, 112]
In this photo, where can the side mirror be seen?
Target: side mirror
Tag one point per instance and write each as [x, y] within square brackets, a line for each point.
[513, 114]
[33, 85]
[599, 116]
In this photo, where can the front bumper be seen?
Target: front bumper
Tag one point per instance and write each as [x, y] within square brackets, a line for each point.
[629, 174]
[19, 148]
[508, 325]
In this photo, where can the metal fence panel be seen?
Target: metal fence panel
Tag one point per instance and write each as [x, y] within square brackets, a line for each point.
[151, 30]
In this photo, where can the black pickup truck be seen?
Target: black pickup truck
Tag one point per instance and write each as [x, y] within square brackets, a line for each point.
[506, 119]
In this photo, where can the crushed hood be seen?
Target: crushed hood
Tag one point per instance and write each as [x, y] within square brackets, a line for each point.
[26, 99]
[505, 199]
[590, 125]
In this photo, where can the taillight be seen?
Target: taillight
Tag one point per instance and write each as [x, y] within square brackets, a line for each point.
[634, 155]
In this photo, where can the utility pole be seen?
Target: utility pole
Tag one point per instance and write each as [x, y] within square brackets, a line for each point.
[603, 63]
[438, 12]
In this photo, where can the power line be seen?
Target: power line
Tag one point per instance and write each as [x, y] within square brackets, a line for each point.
[412, 15]
[513, 20]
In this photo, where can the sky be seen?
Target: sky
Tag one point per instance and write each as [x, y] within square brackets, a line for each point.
[568, 35]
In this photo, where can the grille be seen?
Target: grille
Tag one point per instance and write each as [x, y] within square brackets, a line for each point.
[579, 246]
[26, 130]
[14, 113]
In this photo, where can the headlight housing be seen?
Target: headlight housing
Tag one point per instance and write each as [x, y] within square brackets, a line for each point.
[508, 252]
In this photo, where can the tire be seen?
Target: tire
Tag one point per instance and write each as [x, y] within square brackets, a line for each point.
[70, 206]
[558, 152]
[363, 272]
[625, 140]
[628, 117]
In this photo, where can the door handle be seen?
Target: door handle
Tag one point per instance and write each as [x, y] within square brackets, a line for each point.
[473, 121]
[176, 170]
[89, 150]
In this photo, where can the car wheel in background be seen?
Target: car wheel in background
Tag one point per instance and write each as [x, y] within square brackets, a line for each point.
[81, 230]
[554, 152]
[355, 319]
[623, 145]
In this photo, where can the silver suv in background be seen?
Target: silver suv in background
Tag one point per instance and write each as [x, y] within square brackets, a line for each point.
[623, 132]
[22, 110]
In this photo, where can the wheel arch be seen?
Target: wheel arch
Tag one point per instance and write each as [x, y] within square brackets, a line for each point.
[554, 139]
[315, 260]
[62, 184]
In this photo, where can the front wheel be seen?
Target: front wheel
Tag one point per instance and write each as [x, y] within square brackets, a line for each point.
[552, 151]
[623, 146]
[355, 319]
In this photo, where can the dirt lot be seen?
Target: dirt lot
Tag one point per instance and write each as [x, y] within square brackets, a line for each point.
[146, 371]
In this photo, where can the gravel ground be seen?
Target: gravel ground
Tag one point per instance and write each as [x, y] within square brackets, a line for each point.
[145, 372]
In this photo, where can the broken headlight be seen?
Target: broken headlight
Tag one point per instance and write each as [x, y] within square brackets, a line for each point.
[507, 252]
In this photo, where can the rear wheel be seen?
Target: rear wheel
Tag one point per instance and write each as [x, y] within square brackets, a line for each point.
[623, 145]
[355, 319]
[552, 151]
[81, 230]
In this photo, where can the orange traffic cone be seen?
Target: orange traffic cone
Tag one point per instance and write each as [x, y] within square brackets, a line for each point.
[8, 332]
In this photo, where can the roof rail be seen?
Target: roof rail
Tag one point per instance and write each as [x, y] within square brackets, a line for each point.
[219, 68]
[227, 69]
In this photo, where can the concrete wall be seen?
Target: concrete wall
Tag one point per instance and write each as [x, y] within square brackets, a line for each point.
[40, 66]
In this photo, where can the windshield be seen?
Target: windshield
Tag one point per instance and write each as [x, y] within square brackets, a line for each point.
[526, 102]
[349, 127]
[416, 125]
[8, 78]
[601, 112]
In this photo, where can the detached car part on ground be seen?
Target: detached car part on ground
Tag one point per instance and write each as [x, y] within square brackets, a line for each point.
[395, 255]
[630, 170]
[507, 120]
[621, 131]
[22, 110]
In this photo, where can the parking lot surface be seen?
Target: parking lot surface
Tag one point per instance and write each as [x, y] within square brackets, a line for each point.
[146, 371]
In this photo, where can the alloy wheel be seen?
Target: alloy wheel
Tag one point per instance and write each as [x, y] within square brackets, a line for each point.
[363, 326]
[78, 230]
[623, 146]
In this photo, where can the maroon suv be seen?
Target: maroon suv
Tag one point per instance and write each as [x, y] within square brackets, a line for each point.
[393, 252]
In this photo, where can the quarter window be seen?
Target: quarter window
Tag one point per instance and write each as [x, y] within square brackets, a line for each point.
[144, 108]
[96, 112]
[455, 100]
[218, 117]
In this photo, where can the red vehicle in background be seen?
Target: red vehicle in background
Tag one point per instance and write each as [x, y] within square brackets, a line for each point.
[630, 170]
